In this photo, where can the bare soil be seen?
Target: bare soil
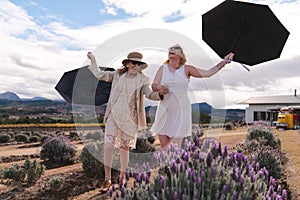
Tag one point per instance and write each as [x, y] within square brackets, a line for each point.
[78, 187]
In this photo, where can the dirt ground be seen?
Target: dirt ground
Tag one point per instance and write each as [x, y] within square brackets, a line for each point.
[77, 187]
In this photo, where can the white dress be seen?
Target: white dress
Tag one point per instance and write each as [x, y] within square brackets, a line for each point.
[173, 116]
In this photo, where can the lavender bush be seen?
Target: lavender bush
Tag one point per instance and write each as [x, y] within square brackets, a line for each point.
[58, 150]
[266, 156]
[263, 132]
[202, 170]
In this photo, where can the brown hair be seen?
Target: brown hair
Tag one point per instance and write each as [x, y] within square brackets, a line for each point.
[122, 70]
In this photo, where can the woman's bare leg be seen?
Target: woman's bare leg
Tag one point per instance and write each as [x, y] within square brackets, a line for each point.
[177, 141]
[124, 159]
[108, 158]
[164, 142]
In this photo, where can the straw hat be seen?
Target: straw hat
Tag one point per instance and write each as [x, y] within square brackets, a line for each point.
[135, 56]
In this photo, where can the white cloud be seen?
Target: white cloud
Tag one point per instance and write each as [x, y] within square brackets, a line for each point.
[35, 56]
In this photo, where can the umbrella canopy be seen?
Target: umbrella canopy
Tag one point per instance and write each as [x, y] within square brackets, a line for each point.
[251, 31]
[79, 86]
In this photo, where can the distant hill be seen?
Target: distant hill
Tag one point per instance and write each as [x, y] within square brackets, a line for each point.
[202, 107]
[37, 99]
[33, 107]
[9, 96]
[14, 97]
[231, 114]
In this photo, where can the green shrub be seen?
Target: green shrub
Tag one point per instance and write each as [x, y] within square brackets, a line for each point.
[38, 134]
[92, 160]
[34, 139]
[56, 182]
[20, 137]
[27, 133]
[15, 172]
[58, 150]
[4, 138]
[60, 133]
[45, 138]
[34, 170]
[151, 139]
[94, 135]
[143, 152]
[229, 126]
[12, 135]
[73, 135]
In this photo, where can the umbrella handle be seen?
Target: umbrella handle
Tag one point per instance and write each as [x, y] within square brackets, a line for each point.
[245, 67]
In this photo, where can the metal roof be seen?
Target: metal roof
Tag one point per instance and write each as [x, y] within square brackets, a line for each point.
[280, 99]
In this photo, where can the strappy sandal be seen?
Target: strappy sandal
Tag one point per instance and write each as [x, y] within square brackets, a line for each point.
[105, 186]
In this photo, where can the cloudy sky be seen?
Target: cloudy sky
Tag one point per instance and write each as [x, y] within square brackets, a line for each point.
[40, 40]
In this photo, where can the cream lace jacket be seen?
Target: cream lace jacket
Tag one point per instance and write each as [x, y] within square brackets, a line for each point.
[136, 104]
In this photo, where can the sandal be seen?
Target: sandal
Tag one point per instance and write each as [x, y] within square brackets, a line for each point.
[105, 186]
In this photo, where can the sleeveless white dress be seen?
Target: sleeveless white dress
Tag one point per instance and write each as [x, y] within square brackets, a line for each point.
[173, 116]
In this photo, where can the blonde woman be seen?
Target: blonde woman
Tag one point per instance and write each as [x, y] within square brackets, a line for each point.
[125, 112]
[173, 118]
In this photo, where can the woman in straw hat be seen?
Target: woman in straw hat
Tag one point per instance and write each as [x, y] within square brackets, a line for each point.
[125, 112]
[173, 118]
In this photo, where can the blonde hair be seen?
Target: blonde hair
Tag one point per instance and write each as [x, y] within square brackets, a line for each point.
[183, 59]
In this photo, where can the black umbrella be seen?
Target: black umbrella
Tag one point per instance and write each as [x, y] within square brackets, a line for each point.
[79, 86]
[251, 31]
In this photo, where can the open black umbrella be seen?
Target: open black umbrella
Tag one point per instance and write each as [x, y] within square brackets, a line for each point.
[251, 31]
[79, 86]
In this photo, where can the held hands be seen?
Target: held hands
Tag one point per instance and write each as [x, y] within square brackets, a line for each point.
[163, 89]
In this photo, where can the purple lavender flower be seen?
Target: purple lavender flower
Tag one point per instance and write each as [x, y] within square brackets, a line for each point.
[189, 170]
[275, 195]
[122, 192]
[199, 180]
[212, 169]
[175, 195]
[221, 172]
[224, 189]
[181, 167]
[284, 194]
[174, 166]
[162, 181]
[111, 192]
[209, 159]
[252, 176]
[194, 175]
[234, 195]
[146, 178]
[202, 174]
[225, 152]
[186, 156]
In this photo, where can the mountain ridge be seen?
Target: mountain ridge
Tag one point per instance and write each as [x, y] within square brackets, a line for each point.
[14, 97]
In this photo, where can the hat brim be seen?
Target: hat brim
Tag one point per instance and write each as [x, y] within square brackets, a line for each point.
[142, 66]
